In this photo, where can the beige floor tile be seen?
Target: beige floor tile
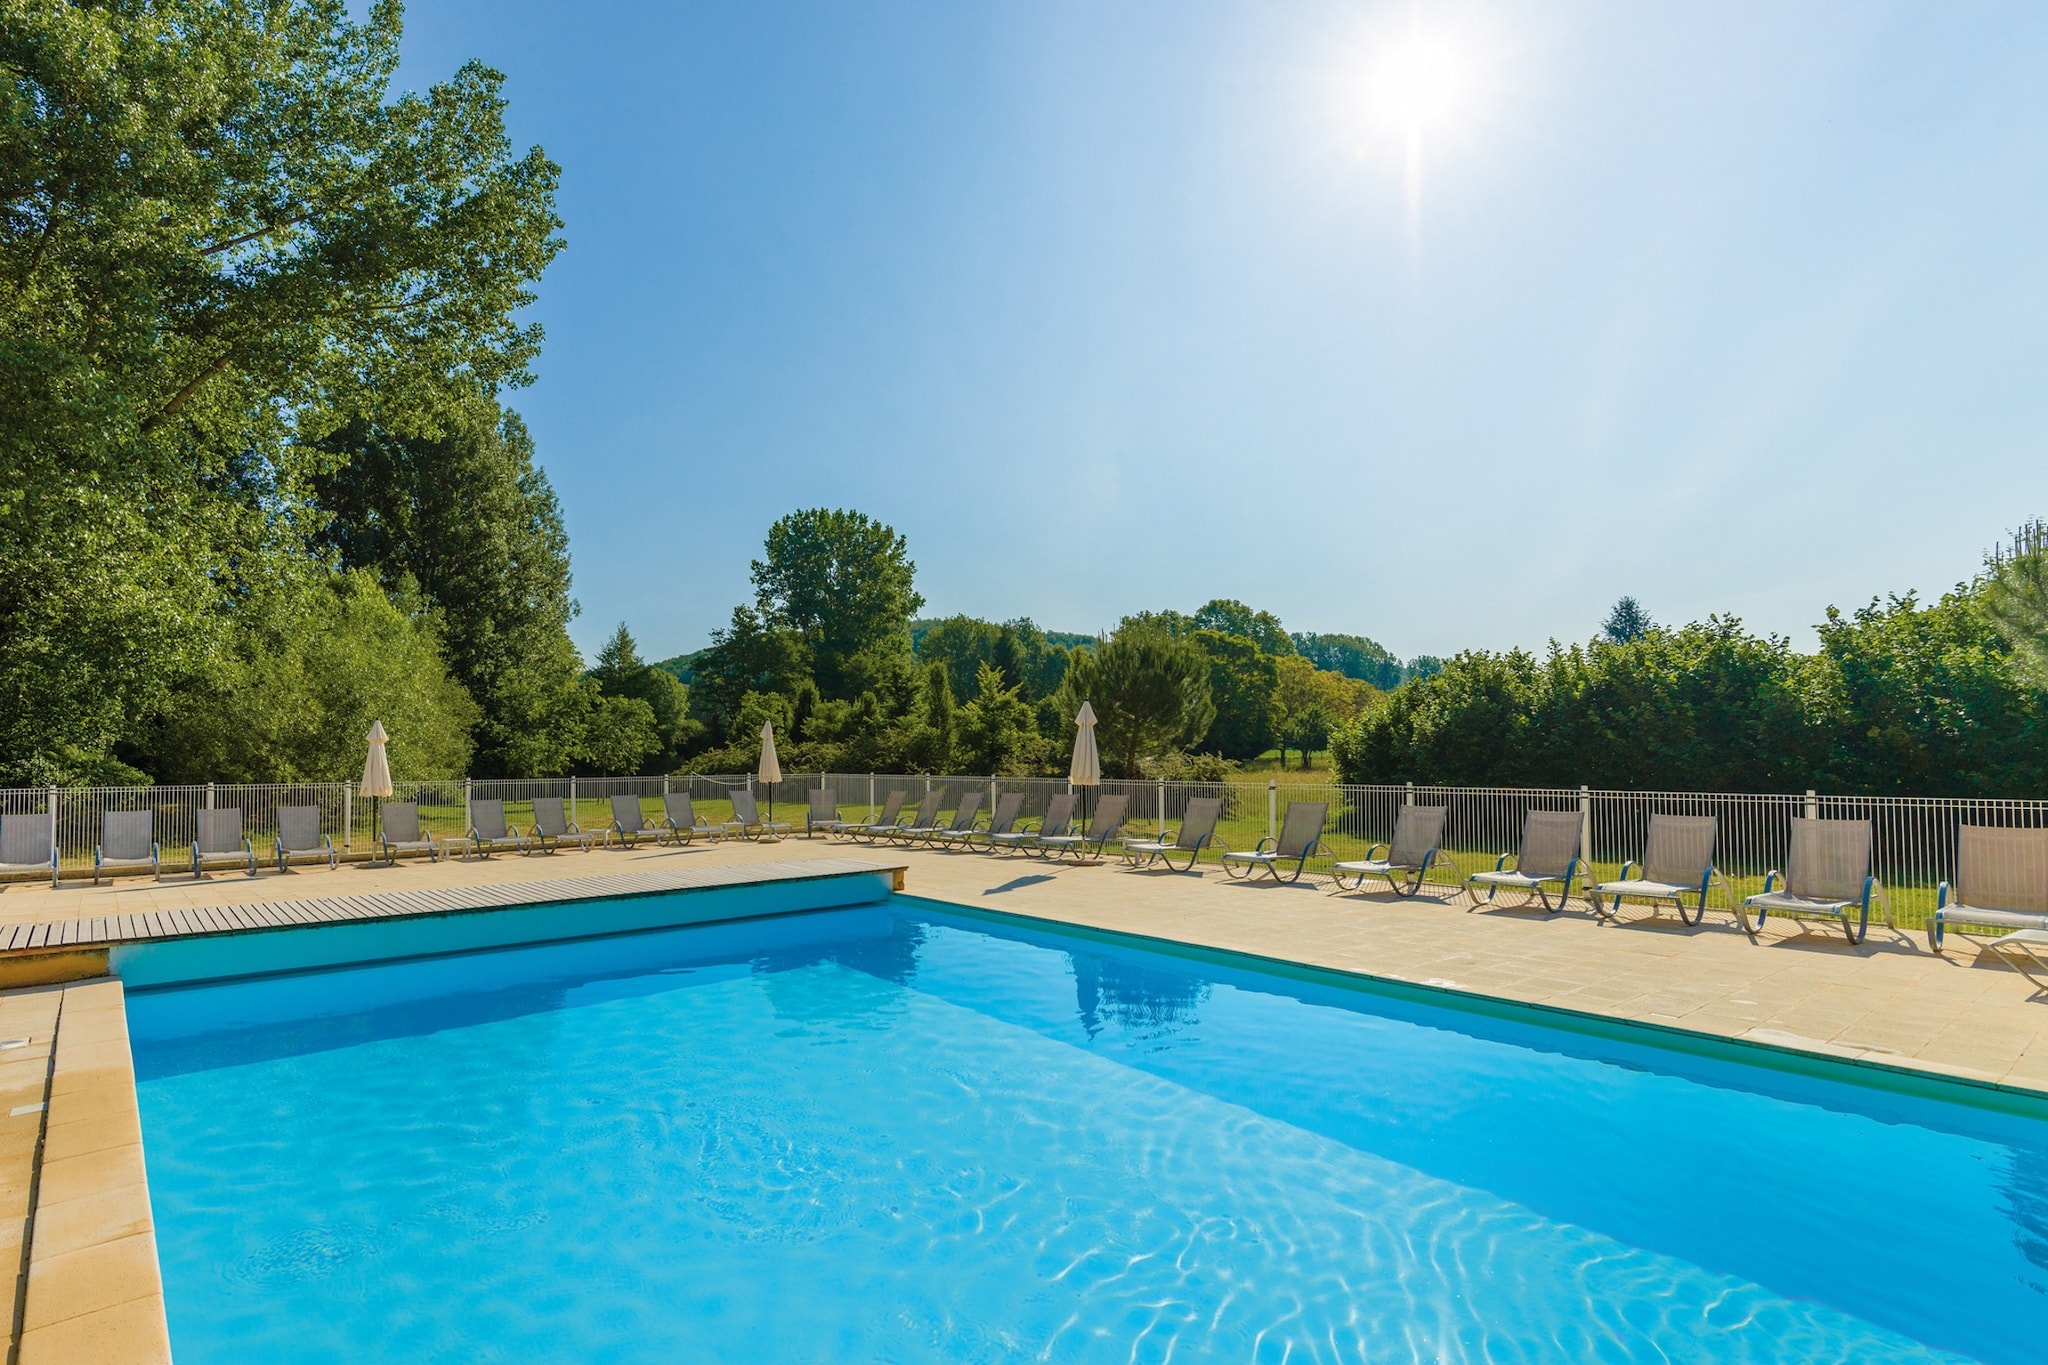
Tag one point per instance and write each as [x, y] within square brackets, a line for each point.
[92, 1279]
[132, 1333]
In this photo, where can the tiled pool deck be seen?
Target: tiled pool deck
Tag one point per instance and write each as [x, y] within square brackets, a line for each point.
[71, 1170]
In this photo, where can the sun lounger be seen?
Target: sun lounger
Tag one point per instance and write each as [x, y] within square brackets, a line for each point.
[402, 832]
[822, 813]
[221, 843]
[1197, 831]
[1417, 847]
[962, 823]
[1678, 862]
[2001, 882]
[552, 825]
[920, 825]
[629, 823]
[1009, 806]
[977, 824]
[488, 831]
[890, 816]
[25, 845]
[1826, 876]
[747, 816]
[1106, 824]
[1301, 834]
[127, 844]
[1023, 838]
[299, 836]
[681, 822]
[1549, 854]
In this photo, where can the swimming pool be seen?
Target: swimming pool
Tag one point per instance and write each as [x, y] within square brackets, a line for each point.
[901, 1133]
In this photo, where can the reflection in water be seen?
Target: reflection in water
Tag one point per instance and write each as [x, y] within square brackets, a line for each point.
[1148, 1003]
[2026, 1193]
[792, 992]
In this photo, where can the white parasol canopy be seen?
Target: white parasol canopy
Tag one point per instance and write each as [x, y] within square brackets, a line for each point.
[771, 767]
[1087, 768]
[376, 767]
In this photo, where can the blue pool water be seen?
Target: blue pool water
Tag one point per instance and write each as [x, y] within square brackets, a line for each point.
[896, 1134]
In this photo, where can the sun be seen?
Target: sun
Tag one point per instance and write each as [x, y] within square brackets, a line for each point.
[1420, 83]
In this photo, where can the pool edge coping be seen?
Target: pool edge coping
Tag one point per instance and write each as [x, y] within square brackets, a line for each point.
[94, 1288]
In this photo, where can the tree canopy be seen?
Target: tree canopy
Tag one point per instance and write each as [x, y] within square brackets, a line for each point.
[224, 237]
[844, 585]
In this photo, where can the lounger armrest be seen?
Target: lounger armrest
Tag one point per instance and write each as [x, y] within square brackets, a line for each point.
[1260, 847]
[1500, 864]
[1771, 881]
[1377, 852]
[1941, 898]
[1626, 869]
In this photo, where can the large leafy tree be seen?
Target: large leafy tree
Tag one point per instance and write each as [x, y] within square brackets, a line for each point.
[1229, 617]
[1150, 692]
[221, 236]
[466, 519]
[843, 583]
[1354, 656]
[620, 672]
[293, 692]
[2015, 597]
[1242, 682]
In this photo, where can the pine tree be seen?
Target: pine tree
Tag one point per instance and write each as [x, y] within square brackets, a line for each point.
[1628, 621]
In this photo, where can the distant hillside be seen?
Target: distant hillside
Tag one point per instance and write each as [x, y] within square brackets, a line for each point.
[1065, 639]
[684, 666]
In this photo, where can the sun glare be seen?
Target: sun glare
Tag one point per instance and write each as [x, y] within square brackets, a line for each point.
[1420, 83]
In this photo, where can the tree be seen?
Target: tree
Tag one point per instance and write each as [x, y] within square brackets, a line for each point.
[963, 644]
[1310, 702]
[932, 748]
[466, 519]
[1242, 681]
[749, 655]
[2015, 596]
[222, 235]
[844, 585]
[292, 693]
[997, 733]
[1930, 701]
[1352, 655]
[1150, 692]
[618, 736]
[621, 673]
[1627, 622]
[1705, 708]
[1228, 617]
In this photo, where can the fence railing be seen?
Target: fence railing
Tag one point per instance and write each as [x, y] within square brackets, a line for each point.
[1914, 846]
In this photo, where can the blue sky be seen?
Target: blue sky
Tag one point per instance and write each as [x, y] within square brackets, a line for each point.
[1111, 306]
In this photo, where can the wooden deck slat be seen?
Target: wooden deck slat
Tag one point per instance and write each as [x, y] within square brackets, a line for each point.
[261, 916]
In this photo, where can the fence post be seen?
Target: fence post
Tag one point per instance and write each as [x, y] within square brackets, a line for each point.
[1162, 810]
[56, 853]
[1812, 804]
[871, 796]
[664, 788]
[468, 790]
[348, 814]
[1409, 800]
[1272, 808]
[991, 798]
[1586, 823]
[209, 796]
[572, 802]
